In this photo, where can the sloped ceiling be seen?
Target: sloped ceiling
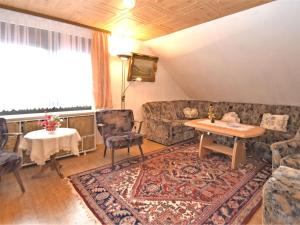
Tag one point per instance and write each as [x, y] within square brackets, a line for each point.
[149, 18]
[252, 56]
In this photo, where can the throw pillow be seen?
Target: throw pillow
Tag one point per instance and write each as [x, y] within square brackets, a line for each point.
[231, 117]
[274, 122]
[190, 113]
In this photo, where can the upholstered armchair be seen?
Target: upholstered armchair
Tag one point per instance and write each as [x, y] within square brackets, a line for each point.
[10, 162]
[116, 128]
[283, 152]
[281, 203]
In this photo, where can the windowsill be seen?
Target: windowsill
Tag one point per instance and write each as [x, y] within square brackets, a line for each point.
[37, 116]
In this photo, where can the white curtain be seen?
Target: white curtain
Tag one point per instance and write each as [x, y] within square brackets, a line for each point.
[43, 69]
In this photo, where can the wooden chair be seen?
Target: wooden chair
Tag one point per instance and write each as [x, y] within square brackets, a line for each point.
[10, 162]
[116, 128]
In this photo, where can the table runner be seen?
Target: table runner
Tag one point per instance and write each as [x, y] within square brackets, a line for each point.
[235, 126]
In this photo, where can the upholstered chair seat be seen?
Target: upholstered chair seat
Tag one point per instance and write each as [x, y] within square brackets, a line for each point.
[9, 161]
[116, 127]
[124, 139]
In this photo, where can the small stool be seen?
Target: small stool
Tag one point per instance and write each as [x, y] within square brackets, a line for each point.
[281, 197]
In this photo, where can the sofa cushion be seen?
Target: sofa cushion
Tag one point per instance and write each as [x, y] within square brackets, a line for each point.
[168, 111]
[190, 113]
[274, 122]
[152, 110]
[231, 117]
[179, 106]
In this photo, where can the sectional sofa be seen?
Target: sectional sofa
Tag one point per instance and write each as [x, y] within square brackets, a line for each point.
[164, 121]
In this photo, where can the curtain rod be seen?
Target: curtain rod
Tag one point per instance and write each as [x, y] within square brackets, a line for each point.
[51, 18]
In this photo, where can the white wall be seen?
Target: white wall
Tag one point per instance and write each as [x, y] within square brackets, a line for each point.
[251, 56]
[164, 87]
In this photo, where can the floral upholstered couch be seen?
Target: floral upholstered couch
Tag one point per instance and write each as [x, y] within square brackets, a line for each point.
[164, 121]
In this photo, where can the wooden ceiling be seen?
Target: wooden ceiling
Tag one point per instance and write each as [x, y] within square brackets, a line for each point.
[149, 18]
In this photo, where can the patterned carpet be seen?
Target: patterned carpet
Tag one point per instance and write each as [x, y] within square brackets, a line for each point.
[173, 186]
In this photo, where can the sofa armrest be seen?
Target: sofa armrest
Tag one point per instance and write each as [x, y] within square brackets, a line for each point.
[159, 127]
[283, 148]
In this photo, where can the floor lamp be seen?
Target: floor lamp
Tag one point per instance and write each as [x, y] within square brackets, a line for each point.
[124, 59]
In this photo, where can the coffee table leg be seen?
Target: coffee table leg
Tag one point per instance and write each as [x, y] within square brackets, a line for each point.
[204, 140]
[238, 154]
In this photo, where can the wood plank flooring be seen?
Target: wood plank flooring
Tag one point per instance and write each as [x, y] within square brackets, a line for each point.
[50, 200]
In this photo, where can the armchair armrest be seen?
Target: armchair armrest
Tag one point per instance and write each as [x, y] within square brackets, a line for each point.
[160, 127]
[140, 123]
[283, 148]
[18, 135]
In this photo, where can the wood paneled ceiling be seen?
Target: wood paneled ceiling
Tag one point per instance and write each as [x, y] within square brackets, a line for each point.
[149, 18]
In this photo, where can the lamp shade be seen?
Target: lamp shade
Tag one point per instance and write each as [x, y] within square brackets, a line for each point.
[129, 4]
[124, 56]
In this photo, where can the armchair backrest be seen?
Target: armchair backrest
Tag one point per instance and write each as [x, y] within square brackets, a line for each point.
[115, 121]
[3, 131]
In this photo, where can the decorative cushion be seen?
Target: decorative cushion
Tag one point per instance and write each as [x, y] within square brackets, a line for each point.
[190, 113]
[274, 122]
[231, 117]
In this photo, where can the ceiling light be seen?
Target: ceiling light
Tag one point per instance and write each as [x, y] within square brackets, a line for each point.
[129, 4]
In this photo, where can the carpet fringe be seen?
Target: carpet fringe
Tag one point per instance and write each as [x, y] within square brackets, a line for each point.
[89, 214]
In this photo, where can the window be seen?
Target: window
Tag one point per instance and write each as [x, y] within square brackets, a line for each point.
[42, 69]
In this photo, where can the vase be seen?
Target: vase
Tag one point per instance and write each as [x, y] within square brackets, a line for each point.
[50, 129]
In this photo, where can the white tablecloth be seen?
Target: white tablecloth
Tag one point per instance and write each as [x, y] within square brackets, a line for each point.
[42, 144]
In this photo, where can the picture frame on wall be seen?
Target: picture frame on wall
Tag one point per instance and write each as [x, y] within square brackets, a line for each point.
[142, 67]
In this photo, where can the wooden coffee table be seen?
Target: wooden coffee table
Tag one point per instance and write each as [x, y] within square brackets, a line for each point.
[234, 130]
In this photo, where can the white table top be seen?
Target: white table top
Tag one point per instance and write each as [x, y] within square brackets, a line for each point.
[43, 134]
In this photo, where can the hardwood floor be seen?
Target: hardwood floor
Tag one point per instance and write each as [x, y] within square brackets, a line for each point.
[51, 200]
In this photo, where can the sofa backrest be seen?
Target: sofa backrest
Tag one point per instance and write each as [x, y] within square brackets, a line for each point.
[248, 113]
[170, 110]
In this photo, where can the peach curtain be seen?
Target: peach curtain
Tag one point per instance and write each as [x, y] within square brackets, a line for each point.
[101, 72]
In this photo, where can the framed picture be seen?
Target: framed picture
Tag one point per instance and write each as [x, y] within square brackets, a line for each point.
[142, 67]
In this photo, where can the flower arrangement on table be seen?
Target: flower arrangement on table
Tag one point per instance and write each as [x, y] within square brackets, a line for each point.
[51, 122]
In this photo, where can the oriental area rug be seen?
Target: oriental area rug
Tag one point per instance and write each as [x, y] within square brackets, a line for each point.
[173, 186]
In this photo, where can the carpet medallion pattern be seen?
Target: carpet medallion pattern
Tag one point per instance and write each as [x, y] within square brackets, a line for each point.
[173, 186]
